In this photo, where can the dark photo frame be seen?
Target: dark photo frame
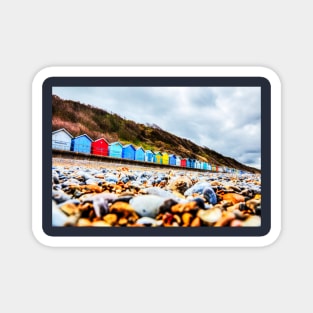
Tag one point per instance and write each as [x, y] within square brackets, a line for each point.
[262, 78]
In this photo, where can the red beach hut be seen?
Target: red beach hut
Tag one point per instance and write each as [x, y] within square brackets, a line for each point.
[100, 147]
[183, 162]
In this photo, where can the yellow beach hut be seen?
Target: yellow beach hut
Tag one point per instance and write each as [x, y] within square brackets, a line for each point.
[165, 158]
[158, 157]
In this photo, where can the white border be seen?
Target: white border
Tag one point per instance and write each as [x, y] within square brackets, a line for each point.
[153, 71]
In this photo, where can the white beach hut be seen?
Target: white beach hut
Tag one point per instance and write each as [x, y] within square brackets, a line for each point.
[61, 139]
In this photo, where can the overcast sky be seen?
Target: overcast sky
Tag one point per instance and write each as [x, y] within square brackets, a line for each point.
[225, 119]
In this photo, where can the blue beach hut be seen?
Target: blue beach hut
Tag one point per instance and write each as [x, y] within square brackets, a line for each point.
[209, 167]
[172, 159]
[188, 162]
[204, 165]
[192, 163]
[149, 156]
[115, 149]
[128, 152]
[140, 154]
[81, 143]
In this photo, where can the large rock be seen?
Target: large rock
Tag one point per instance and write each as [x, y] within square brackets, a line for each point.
[147, 205]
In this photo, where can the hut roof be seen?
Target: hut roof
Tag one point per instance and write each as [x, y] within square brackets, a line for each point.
[115, 143]
[101, 139]
[129, 145]
[83, 135]
[140, 148]
[64, 130]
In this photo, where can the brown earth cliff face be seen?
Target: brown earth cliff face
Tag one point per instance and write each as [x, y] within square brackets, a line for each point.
[78, 118]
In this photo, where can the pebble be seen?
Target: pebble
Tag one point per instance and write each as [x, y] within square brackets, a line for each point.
[60, 196]
[253, 220]
[147, 205]
[125, 197]
[157, 191]
[254, 205]
[211, 216]
[198, 188]
[233, 198]
[59, 218]
[149, 221]
[180, 184]
[210, 195]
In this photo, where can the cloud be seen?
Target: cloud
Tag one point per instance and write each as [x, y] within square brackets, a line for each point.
[225, 119]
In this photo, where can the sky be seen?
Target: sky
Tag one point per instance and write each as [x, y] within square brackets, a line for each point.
[224, 119]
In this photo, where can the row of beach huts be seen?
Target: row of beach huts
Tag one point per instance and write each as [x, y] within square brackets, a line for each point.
[63, 140]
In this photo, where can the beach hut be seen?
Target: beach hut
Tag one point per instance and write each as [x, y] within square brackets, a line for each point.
[149, 156]
[213, 168]
[188, 164]
[209, 167]
[61, 139]
[197, 164]
[172, 159]
[178, 160]
[81, 144]
[183, 162]
[193, 163]
[140, 154]
[205, 165]
[128, 152]
[158, 157]
[100, 147]
[115, 149]
[165, 158]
